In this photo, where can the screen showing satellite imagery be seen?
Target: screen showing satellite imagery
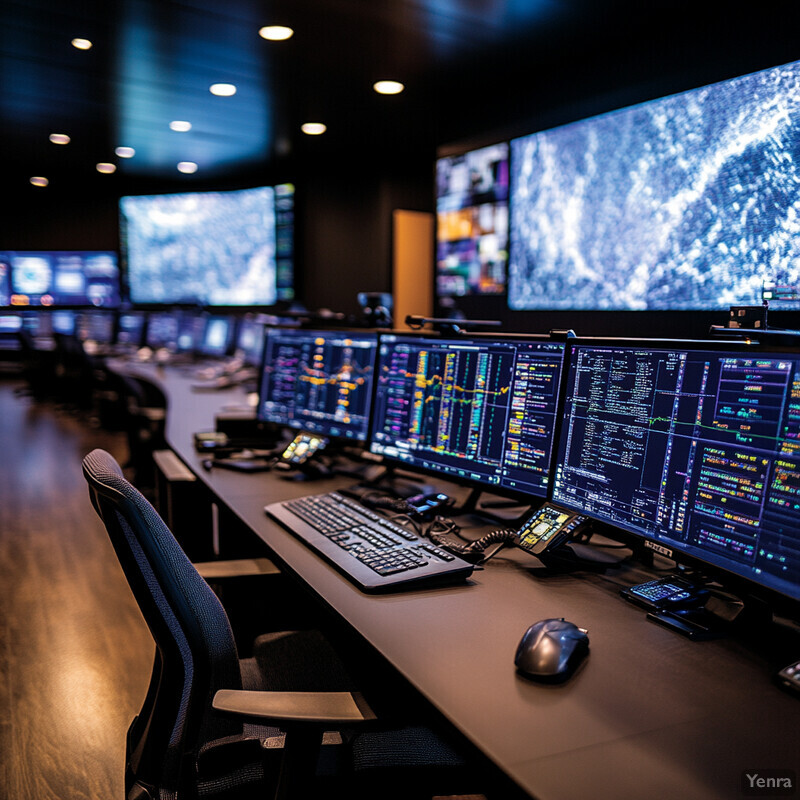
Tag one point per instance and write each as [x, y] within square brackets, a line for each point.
[209, 248]
[686, 202]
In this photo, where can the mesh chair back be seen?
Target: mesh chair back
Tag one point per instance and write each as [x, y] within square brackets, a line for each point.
[195, 650]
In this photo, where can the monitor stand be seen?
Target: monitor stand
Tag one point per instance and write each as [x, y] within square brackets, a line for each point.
[472, 505]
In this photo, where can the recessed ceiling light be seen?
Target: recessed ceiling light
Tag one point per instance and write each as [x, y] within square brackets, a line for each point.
[276, 33]
[59, 138]
[388, 87]
[81, 44]
[187, 167]
[222, 89]
[180, 125]
[39, 181]
[106, 168]
[313, 128]
[125, 152]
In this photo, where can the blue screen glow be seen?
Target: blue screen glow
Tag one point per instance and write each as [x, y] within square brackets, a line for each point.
[686, 202]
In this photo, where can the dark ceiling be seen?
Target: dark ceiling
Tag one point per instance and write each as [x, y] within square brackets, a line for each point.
[471, 67]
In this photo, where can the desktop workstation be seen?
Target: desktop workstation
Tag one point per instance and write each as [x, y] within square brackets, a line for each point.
[650, 710]
[626, 448]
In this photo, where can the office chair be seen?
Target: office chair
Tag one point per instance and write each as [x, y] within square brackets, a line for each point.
[190, 738]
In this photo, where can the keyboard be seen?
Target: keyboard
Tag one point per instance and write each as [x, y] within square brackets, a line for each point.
[376, 554]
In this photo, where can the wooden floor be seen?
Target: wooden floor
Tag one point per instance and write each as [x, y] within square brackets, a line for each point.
[75, 654]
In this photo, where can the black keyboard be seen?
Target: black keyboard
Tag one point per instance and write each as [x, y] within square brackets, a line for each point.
[375, 553]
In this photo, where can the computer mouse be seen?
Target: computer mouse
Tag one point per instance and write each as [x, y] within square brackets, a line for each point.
[552, 650]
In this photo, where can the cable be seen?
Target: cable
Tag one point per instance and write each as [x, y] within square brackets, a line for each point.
[473, 552]
[503, 535]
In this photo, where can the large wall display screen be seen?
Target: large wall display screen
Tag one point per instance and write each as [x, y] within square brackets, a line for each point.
[472, 222]
[686, 202]
[210, 248]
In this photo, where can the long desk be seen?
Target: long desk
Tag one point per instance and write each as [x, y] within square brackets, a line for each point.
[651, 714]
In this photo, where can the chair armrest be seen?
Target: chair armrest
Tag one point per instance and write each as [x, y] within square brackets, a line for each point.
[235, 568]
[316, 707]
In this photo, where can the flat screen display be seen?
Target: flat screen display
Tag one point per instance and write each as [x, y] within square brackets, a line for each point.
[318, 381]
[472, 222]
[210, 248]
[162, 330]
[59, 278]
[95, 326]
[62, 322]
[250, 341]
[482, 410]
[685, 202]
[10, 323]
[697, 450]
[216, 336]
[130, 328]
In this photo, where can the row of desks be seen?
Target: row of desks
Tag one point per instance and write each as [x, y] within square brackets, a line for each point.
[651, 714]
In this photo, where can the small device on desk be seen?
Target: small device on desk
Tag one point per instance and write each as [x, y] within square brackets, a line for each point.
[789, 678]
[300, 450]
[673, 591]
[549, 527]
[428, 504]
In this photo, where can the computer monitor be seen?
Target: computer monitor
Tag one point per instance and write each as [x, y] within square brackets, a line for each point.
[62, 322]
[472, 222]
[95, 326]
[232, 248]
[162, 329]
[131, 327]
[684, 202]
[59, 278]
[250, 337]
[693, 447]
[216, 340]
[191, 328]
[318, 381]
[480, 409]
[10, 323]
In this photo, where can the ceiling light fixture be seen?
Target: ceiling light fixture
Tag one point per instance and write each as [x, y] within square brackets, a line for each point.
[105, 168]
[313, 128]
[388, 87]
[39, 181]
[276, 33]
[222, 89]
[180, 125]
[81, 44]
[59, 138]
[187, 167]
[125, 152]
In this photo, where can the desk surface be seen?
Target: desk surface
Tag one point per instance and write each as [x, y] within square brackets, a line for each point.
[651, 714]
